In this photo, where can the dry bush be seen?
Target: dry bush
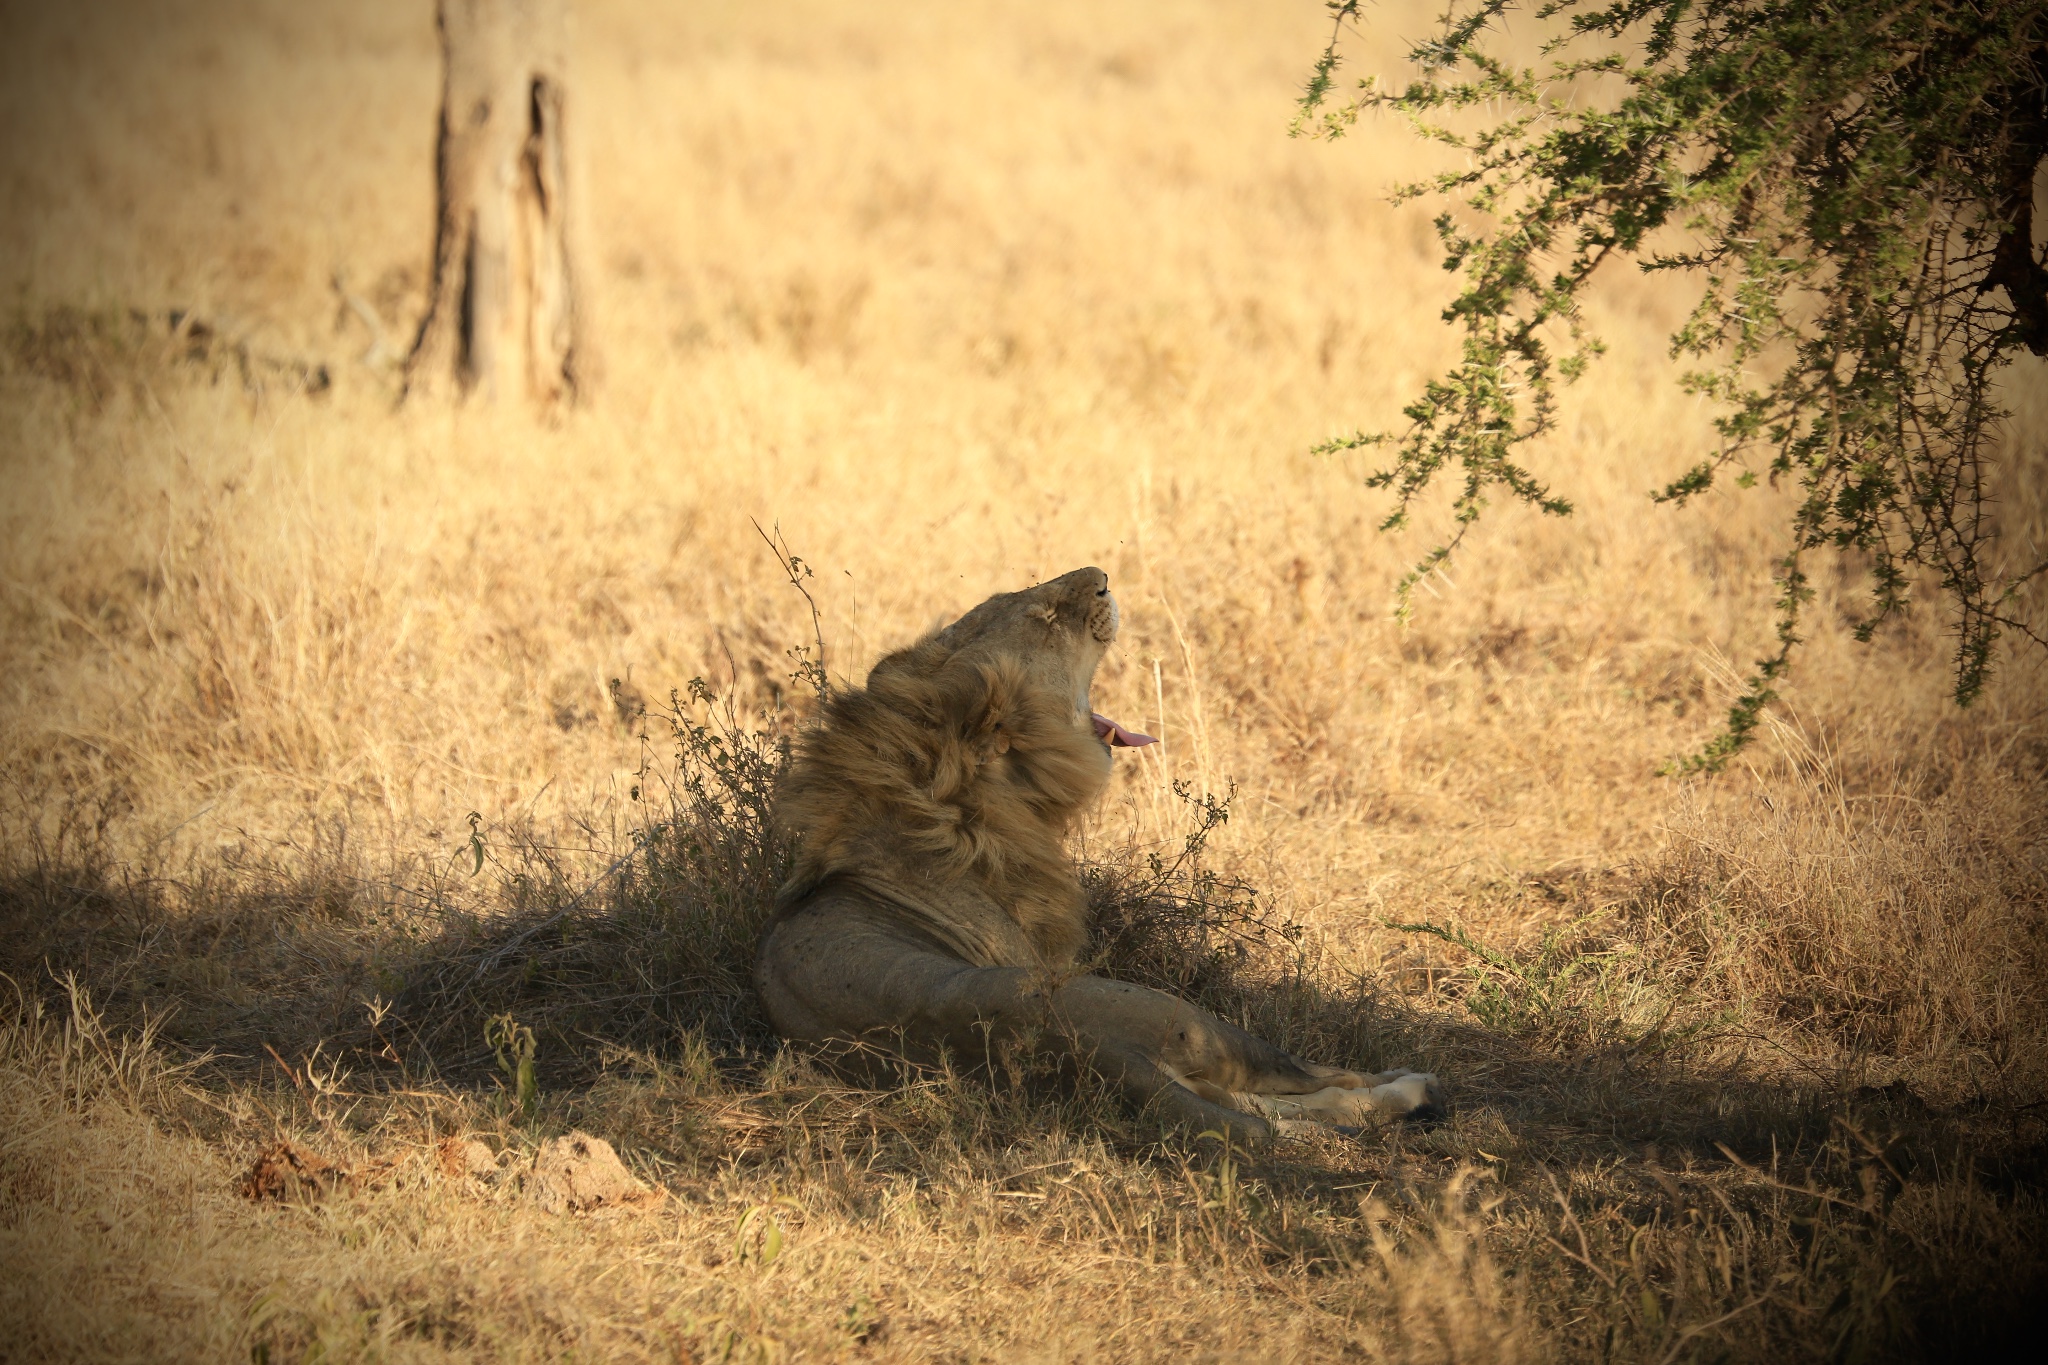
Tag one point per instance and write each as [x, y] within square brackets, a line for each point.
[1898, 928]
[1449, 1300]
[662, 939]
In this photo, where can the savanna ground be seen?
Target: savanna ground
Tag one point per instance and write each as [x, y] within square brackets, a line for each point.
[314, 766]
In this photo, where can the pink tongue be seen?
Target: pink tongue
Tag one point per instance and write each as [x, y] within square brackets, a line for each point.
[1118, 737]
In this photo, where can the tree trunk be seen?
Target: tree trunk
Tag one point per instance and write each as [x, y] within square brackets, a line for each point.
[502, 313]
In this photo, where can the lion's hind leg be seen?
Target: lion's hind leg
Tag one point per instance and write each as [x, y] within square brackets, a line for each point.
[1210, 1066]
[852, 980]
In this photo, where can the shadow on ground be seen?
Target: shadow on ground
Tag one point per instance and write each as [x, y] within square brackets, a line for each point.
[1650, 1170]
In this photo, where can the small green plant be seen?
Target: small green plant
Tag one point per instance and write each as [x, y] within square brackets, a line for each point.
[1571, 991]
[862, 1321]
[758, 1238]
[1513, 996]
[512, 1044]
[1222, 1186]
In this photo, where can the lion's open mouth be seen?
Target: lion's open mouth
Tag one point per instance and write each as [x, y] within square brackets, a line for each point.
[1116, 736]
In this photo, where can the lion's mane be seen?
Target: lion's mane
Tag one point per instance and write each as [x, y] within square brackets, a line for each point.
[949, 772]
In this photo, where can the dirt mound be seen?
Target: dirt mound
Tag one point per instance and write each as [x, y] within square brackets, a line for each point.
[580, 1173]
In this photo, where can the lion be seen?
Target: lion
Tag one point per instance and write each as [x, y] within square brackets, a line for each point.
[933, 908]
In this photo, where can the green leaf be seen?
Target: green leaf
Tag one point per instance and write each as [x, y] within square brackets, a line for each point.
[1857, 183]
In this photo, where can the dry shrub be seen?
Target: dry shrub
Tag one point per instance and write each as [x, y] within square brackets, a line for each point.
[1442, 1293]
[655, 947]
[1172, 921]
[1901, 932]
[90, 1178]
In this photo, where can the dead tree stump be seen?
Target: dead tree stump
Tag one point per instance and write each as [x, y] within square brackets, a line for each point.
[503, 315]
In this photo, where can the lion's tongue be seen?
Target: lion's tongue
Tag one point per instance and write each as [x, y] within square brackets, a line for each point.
[1118, 737]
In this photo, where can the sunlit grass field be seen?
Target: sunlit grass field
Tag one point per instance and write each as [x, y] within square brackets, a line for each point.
[334, 727]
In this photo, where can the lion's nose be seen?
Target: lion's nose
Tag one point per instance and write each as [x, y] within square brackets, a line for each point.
[1102, 622]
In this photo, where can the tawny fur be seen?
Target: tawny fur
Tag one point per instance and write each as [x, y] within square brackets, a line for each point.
[944, 772]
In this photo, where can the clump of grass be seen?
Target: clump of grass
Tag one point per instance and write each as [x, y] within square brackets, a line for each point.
[656, 947]
[113, 354]
[1901, 934]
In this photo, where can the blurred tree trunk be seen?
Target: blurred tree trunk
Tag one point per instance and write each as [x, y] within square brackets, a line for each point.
[503, 315]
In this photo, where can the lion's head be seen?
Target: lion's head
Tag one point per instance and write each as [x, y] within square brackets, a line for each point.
[967, 756]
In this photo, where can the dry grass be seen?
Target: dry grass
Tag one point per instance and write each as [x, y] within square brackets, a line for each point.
[1748, 1069]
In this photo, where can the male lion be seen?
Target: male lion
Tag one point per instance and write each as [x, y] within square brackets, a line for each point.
[933, 906]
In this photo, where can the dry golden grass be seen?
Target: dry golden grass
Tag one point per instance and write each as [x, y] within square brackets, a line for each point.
[957, 295]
